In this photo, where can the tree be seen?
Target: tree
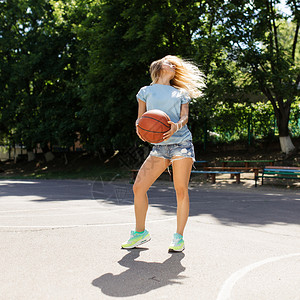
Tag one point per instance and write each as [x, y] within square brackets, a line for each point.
[222, 74]
[39, 95]
[266, 56]
[124, 37]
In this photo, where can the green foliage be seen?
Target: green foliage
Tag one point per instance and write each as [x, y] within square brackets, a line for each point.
[243, 121]
[124, 37]
[76, 66]
[262, 51]
[38, 93]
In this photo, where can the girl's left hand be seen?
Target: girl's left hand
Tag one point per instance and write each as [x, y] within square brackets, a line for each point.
[169, 133]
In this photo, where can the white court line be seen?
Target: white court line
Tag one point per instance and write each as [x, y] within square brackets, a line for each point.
[27, 210]
[62, 208]
[40, 209]
[227, 287]
[83, 225]
[156, 205]
[60, 201]
[71, 214]
[6, 182]
[129, 200]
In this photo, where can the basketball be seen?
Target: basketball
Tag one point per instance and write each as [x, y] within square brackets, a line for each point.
[152, 125]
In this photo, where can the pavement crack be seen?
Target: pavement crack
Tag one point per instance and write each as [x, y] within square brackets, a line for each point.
[154, 278]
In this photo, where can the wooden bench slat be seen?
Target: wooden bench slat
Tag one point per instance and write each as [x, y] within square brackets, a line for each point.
[217, 172]
[135, 171]
[255, 170]
[214, 173]
[247, 161]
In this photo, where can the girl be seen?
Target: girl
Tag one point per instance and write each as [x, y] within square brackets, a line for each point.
[174, 82]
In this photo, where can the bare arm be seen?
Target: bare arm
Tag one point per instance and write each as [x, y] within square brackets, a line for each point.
[184, 118]
[142, 109]
[184, 115]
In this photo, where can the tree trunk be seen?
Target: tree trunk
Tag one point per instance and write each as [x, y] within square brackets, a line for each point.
[286, 143]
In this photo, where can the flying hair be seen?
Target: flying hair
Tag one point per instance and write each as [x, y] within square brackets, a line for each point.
[187, 75]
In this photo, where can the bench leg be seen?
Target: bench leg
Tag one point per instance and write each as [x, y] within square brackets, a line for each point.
[134, 175]
[238, 178]
[213, 178]
[171, 175]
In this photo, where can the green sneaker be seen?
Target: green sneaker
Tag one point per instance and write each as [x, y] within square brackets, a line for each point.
[177, 244]
[136, 239]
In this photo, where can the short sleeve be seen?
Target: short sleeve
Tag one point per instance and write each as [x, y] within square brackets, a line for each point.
[185, 98]
[142, 94]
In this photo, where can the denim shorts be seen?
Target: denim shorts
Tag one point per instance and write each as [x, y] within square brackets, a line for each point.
[174, 151]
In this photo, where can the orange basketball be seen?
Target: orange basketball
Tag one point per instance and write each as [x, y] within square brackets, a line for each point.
[152, 125]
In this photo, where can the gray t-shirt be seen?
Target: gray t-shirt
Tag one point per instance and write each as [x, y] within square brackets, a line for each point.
[169, 100]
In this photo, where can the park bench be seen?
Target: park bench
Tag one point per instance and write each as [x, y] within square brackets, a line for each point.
[213, 174]
[247, 162]
[204, 163]
[255, 170]
[278, 172]
[168, 171]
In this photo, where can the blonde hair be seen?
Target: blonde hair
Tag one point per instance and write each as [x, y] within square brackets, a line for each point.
[187, 75]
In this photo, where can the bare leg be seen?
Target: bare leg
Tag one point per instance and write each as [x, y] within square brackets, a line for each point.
[151, 169]
[181, 175]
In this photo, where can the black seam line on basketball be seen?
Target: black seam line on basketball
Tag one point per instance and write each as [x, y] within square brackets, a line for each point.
[155, 120]
[152, 131]
[156, 141]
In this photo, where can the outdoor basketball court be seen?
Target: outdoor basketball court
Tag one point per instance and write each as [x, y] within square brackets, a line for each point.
[61, 240]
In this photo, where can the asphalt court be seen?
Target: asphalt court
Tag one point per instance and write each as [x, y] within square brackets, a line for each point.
[60, 239]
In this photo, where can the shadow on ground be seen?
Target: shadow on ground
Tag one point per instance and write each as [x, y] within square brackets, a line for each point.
[229, 206]
[141, 277]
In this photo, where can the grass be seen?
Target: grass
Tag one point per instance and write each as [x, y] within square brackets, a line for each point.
[88, 168]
